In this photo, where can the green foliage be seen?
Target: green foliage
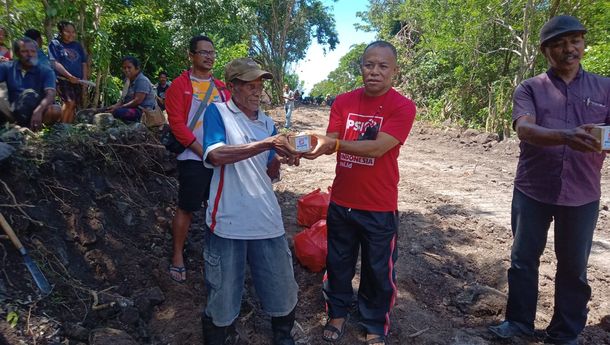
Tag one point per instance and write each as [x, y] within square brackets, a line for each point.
[597, 57]
[225, 53]
[12, 318]
[275, 32]
[345, 77]
[292, 79]
[461, 60]
[145, 37]
[23, 14]
[282, 30]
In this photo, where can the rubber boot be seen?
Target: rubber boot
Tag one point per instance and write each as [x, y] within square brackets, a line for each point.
[282, 327]
[214, 335]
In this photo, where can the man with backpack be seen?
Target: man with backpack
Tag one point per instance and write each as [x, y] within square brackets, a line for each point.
[185, 102]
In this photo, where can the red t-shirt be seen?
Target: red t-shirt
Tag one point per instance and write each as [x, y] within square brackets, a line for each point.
[361, 182]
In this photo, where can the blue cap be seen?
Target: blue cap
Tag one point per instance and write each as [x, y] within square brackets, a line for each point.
[558, 26]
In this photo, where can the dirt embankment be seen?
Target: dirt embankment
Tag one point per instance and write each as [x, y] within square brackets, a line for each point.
[94, 208]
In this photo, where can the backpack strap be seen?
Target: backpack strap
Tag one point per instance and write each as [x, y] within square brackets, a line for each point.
[202, 105]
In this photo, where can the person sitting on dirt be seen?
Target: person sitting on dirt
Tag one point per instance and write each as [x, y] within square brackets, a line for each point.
[244, 223]
[5, 52]
[43, 59]
[31, 87]
[186, 100]
[366, 129]
[161, 89]
[70, 64]
[558, 179]
[140, 93]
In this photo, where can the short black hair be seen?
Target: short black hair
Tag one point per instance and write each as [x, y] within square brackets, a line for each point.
[33, 34]
[162, 73]
[63, 24]
[24, 40]
[380, 44]
[134, 61]
[195, 39]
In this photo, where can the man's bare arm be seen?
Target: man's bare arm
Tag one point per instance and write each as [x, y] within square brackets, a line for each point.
[365, 148]
[577, 138]
[228, 154]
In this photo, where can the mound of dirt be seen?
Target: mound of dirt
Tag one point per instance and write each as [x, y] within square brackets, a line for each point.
[92, 205]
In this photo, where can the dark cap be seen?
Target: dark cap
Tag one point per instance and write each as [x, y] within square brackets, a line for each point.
[245, 69]
[558, 26]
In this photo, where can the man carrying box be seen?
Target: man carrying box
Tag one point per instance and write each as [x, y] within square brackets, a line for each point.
[558, 179]
[244, 222]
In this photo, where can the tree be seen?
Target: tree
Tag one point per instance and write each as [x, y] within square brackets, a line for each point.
[283, 30]
[345, 77]
[461, 60]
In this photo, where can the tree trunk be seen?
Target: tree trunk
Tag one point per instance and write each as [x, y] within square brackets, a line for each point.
[87, 46]
[554, 7]
[7, 5]
[96, 26]
[48, 20]
[528, 53]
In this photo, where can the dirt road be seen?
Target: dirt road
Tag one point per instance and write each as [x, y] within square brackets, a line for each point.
[454, 204]
[105, 243]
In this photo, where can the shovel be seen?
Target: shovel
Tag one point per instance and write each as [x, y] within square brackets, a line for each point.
[39, 279]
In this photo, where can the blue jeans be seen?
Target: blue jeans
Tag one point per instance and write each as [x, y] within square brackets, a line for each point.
[270, 262]
[574, 228]
[288, 108]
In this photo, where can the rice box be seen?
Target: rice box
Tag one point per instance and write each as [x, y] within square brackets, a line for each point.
[302, 142]
[602, 133]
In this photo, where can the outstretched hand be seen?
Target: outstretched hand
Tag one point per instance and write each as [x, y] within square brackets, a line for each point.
[282, 146]
[323, 145]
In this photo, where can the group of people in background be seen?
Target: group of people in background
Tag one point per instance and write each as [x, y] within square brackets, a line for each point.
[30, 78]
[233, 150]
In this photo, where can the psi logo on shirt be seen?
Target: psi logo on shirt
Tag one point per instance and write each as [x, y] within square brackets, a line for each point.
[360, 127]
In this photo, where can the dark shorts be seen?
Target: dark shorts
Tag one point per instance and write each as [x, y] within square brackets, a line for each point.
[194, 184]
[24, 106]
[69, 92]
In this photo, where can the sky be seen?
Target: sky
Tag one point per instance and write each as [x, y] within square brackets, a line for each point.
[316, 66]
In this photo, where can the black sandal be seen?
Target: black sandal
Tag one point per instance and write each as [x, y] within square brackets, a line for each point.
[179, 270]
[335, 331]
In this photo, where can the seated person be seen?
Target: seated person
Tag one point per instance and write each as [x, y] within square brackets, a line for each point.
[31, 87]
[140, 93]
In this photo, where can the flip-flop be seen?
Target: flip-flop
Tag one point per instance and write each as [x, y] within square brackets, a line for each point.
[179, 270]
[334, 330]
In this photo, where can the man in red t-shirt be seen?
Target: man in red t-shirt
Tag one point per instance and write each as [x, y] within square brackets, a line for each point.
[366, 129]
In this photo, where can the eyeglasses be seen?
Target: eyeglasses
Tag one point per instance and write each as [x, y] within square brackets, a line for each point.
[204, 52]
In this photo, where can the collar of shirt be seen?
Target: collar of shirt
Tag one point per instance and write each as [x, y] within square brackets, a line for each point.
[23, 72]
[551, 73]
[236, 111]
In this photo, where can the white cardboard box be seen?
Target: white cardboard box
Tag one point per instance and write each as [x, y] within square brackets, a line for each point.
[602, 133]
[302, 142]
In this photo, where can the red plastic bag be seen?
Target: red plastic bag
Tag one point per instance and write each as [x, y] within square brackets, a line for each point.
[312, 207]
[310, 246]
